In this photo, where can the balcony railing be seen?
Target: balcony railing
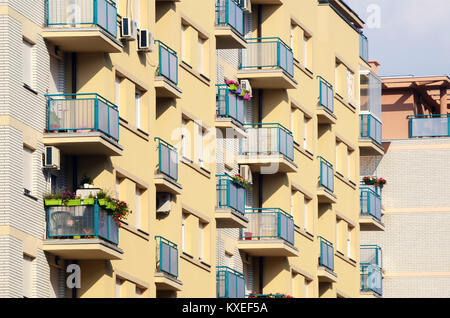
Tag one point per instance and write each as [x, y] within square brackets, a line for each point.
[267, 139]
[166, 256]
[168, 62]
[268, 224]
[363, 47]
[326, 174]
[230, 194]
[229, 12]
[326, 94]
[371, 254]
[371, 128]
[230, 105]
[326, 254]
[230, 283]
[370, 203]
[167, 159]
[371, 278]
[82, 221]
[267, 53]
[434, 125]
[82, 13]
[75, 113]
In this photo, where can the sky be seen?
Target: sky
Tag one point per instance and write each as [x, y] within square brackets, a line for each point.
[407, 37]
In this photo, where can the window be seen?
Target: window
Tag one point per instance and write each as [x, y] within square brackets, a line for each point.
[292, 35]
[305, 132]
[201, 239]
[338, 241]
[183, 42]
[138, 96]
[117, 187]
[139, 292]
[292, 202]
[27, 50]
[27, 276]
[118, 291]
[200, 140]
[307, 282]
[337, 87]
[138, 208]
[337, 163]
[117, 91]
[307, 215]
[350, 233]
[201, 43]
[183, 232]
[183, 138]
[27, 170]
[350, 87]
[349, 164]
[305, 50]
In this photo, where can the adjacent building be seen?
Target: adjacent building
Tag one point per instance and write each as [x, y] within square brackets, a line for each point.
[415, 255]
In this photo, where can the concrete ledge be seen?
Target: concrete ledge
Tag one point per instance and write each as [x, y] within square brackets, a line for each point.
[166, 89]
[268, 78]
[165, 184]
[164, 281]
[229, 218]
[228, 38]
[274, 248]
[83, 143]
[267, 164]
[325, 196]
[87, 249]
[368, 147]
[324, 116]
[369, 223]
[326, 275]
[225, 124]
[92, 39]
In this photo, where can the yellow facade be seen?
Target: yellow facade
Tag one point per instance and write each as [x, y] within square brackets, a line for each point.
[324, 45]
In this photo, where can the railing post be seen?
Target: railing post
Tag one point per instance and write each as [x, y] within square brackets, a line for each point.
[95, 12]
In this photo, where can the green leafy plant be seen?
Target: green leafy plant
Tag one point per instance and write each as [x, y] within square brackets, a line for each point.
[86, 179]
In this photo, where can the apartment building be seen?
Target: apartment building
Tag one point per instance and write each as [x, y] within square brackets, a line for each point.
[160, 104]
[416, 219]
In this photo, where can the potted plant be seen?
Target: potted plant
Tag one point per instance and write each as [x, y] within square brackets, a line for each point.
[70, 199]
[120, 211]
[90, 200]
[369, 180]
[53, 199]
[102, 198]
[240, 180]
[247, 236]
[381, 182]
[86, 182]
[232, 85]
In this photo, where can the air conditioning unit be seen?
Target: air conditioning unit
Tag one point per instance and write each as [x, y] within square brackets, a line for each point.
[247, 5]
[146, 41]
[246, 173]
[128, 31]
[163, 202]
[245, 84]
[51, 158]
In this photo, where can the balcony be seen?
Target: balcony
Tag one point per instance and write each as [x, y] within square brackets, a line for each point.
[166, 80]
[363, 48]
[82, 25]
[370, 139]
[433, 125]
[82, 232]
[370, 219]
[230, 112]
[326, 262]
[270, 232]
[325, 109]
[268, 149]
[371, 270]
[167, 171]
[82, 124]
[229, 30]
[166, 273]
[230, 283]
[325, 191]
[230, 209]
[268, 63]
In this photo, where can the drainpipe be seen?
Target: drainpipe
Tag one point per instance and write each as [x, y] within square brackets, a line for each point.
[74, 91]
[260, 183]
